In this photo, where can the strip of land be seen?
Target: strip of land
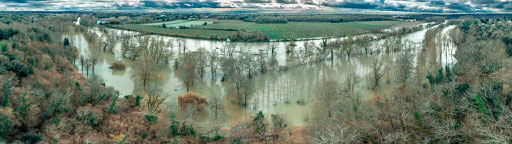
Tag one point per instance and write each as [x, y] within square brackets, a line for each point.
[224, 29]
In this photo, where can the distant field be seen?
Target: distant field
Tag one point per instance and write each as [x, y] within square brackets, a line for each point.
[193, 33]
[176, 23]
[293, 30]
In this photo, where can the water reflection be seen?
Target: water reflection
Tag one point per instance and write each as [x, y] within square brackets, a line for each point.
[291, 92]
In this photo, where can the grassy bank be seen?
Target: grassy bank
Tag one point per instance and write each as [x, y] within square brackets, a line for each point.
[222, 29]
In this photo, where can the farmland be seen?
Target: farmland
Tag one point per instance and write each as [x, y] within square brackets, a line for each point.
[222, 29]
[192, 33]
[176, 23]
[294, 30]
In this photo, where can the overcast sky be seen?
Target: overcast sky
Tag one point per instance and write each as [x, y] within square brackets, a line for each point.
[333, 6]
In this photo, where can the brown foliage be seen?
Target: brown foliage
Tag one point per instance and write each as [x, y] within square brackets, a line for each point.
[191, 98]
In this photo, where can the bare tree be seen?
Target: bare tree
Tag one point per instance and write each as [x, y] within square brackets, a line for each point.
[348, 46]
[328, 94]
[290, 48]
[155, 97]
[82, 63]
[158, 50]
[229, 49]
[405, 66]
[236, 72]
[262, 62]
[351, 82]
[272, 47]
[182, 45]
[94, 60]
[202, 60]
[188, 69]
[87, 66]
[364, 42]
[377, 73]
[333, 46]
[95, 56]
[216, 101]
[145, 71]
[335, 132]
[213, 63]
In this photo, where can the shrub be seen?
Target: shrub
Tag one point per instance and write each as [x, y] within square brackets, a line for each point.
[91, 119]
[462, 88]
[151, 118]
[112, 108]
[278, 122]
[118, 65]
[440, 76]
[20, 69]
[174, 127]
[6, 125]
[5, 98]
[7, 33]
[448, 73]
[88, 116]
[137, 100]
[187, 129]
[212, 135]
[4, 48]
[3, 68]
[259, 123]
[66, 41]
[31, 138]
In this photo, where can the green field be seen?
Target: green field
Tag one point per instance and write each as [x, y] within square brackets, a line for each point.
[193, 33]
[293, 30]
[176, 23]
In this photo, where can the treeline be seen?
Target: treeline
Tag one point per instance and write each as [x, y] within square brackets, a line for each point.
[125, 17]
[283, 18]
[268, 19]
[243, 35]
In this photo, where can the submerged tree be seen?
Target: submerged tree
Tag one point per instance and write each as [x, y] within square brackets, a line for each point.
[328, 94]
[187, 70]
[351, 82]
[237, 74]
[213, 63]
[348, 46]
[145, 70]
[272, 47]
[155, 97]
[377, 73]
[216, 100]
[404, 68]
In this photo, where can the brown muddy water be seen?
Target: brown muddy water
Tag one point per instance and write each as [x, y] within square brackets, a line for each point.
[276, 92]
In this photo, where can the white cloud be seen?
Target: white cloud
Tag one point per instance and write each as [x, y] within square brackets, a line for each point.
[325, 5]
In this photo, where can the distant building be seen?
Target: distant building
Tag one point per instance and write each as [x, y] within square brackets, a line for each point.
[181, 27]
[101, 22]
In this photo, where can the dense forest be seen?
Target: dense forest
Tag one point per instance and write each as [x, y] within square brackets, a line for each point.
[50, 93]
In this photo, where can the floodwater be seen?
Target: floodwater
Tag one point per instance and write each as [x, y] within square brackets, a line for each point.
[276, 92]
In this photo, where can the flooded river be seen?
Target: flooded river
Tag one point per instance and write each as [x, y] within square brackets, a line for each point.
[276, 92]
